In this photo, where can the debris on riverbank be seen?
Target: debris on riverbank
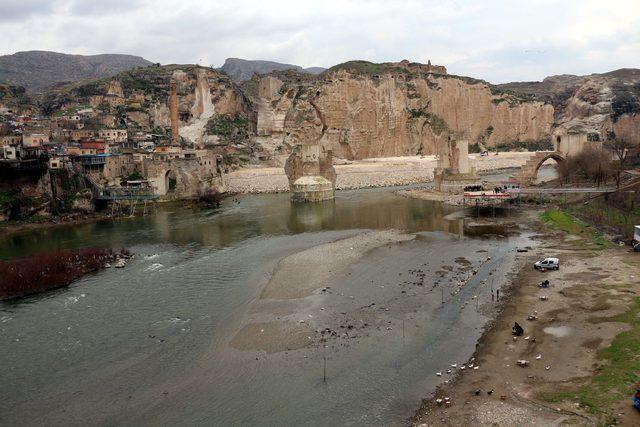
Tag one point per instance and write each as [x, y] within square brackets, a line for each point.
[571, 375]
[52, 270]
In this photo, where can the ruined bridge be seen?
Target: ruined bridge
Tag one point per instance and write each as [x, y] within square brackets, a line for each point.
[529, 171]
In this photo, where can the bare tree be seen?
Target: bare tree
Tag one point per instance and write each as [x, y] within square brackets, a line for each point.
[620, 148]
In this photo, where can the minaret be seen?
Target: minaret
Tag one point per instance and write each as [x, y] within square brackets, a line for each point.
[173, 108]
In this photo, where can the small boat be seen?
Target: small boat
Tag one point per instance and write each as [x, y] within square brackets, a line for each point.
[120, 263]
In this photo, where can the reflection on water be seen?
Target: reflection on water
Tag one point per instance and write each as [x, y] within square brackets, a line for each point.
[241, 218]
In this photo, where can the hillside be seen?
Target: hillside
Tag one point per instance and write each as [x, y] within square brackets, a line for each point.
[38, 70]
[596, 104]
[243, 69]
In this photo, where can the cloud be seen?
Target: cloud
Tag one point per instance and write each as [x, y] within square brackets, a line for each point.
[497, 40]
[15, 10]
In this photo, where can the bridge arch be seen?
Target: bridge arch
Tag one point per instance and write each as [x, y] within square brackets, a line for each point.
[555, 156]
[529, 170]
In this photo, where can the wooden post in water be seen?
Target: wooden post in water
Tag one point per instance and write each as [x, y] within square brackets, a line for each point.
[324, 375]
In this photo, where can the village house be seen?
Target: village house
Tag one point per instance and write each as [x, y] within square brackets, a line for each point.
[34, 139]
[10, 140]
[9, 152]
[77, 135]
[113, 135]
[118, 166]
[89, 147]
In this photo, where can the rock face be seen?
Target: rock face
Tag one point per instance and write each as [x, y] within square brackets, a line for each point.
[389, 110]
[37, 70]
[593, 105]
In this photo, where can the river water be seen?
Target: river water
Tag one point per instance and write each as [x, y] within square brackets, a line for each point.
[185, 334]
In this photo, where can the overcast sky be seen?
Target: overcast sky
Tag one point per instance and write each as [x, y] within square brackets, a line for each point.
[496, 40]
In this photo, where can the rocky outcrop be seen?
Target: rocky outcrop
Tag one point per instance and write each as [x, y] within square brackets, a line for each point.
[374, 110]
[593, 105]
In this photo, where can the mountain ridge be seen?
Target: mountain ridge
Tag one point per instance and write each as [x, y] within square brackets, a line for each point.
[241, 69]
[37, 70]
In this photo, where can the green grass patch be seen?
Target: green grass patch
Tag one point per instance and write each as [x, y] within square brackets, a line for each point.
[617, 376]
[616, 214]
[572, 225]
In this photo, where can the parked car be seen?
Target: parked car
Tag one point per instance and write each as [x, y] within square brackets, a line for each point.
[547, 264]
[484, 153]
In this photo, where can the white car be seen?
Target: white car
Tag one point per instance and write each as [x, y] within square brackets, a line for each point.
[547, 264]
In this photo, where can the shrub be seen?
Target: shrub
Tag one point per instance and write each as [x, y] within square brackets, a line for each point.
[49, 270]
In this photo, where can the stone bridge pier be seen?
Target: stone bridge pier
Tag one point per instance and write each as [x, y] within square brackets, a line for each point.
[311, 175]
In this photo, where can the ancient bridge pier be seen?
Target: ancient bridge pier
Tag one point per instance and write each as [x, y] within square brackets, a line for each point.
[311, 175]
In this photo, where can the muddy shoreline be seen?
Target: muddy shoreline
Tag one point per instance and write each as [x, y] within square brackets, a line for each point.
[506, 394]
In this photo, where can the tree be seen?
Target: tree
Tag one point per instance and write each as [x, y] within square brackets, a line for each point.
[620, 148]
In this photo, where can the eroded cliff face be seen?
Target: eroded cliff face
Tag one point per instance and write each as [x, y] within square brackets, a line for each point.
[594, 105]
[390, 114]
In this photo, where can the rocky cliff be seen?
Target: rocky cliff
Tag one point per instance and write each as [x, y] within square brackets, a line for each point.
[362, 110]
[596, 104]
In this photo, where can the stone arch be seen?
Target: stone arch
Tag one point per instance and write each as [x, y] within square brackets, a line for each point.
[529, 170]
[170, 178]
[555, 156]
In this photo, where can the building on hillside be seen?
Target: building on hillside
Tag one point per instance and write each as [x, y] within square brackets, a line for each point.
[77, 135]
[57, 162]
[34, 139]
[168, 152]
[118, 166]
[92, 147]
[10, 140]
[9, 152]
[113, 135]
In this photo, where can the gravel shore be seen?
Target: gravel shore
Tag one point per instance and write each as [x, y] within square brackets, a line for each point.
[379, 172]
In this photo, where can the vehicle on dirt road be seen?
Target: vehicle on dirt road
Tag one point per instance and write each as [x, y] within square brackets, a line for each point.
[547, 264]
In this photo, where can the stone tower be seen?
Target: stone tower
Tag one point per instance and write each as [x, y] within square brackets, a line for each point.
[173, 109]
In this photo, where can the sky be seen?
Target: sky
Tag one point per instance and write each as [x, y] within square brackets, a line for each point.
[495, 40]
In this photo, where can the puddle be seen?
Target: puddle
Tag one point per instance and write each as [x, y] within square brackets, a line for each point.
[558, 331]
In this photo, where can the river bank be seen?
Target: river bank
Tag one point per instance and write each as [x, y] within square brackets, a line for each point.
[377, 172]
[584, 319]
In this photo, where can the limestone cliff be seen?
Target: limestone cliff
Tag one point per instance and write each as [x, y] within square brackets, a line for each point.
[595, 105]
[362, 110]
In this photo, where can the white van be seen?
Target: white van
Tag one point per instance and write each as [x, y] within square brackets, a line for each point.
[547, 264]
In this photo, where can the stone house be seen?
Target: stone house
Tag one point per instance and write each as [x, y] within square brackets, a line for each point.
[35, 139]
[113, 135]
[10, 140]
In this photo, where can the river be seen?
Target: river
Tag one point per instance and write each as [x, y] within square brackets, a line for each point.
[201, 326]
